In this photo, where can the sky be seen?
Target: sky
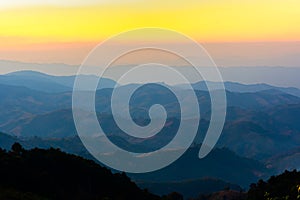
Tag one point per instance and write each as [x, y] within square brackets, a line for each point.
[235, 32]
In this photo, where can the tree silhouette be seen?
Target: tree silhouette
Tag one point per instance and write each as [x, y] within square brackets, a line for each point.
[17, 148]
[53, 174]
[281, 187]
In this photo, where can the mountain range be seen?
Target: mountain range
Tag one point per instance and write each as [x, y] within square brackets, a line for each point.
[260, 135]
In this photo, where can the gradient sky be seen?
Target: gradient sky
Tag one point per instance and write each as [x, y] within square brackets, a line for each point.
[66, 30]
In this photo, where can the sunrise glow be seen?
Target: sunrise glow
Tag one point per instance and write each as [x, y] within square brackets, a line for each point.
[39, 25]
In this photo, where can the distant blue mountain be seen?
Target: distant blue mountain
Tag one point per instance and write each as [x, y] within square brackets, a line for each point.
[33, 80]
[243, 88]
[22, 108]
[280, 76]
[48, 83]
[221, 163]
[53, 84]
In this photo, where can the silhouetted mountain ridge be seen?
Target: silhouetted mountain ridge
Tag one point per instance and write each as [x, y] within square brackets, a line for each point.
[53, 174]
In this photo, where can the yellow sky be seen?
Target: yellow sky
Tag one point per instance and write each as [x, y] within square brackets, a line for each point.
[215, 20]
[40, 26]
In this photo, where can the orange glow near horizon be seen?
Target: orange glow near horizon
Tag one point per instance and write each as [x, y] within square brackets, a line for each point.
[46, 27]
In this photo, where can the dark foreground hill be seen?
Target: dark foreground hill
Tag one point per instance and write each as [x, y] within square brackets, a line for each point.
[221, 164]
[281, 187]
[285, 186]
[52, 174]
